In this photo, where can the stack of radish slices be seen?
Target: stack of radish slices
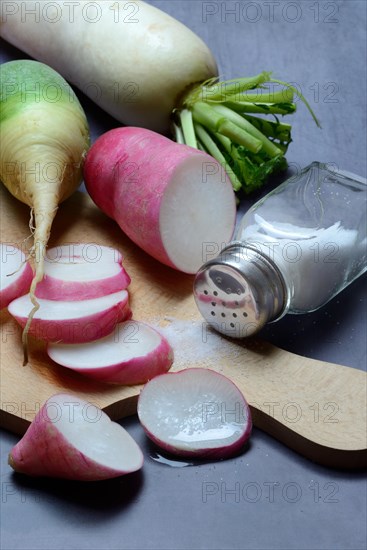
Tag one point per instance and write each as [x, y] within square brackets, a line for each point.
[85, 317]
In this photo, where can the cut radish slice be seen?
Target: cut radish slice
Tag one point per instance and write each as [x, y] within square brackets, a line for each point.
[196, 215]
[196, 413]
[81, 272]
[15, 274]
[73, 322]
[133, 354]
[73, 439]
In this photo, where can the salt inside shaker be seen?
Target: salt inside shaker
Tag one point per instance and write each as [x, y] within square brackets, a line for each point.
[293, 251]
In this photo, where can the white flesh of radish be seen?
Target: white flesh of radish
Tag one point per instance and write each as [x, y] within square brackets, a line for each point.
[73, 439]
[82, 271]
[132, 354]
[15, 273]
[194, 217]
[82, 262]
[195, 412]
[92, 432]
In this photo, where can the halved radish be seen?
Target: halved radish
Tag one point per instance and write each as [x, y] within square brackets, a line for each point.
[73, 322]
[170, 199]
[133, 354]
[15, 274]
[195, 412]
[72, 439]
[82, 271]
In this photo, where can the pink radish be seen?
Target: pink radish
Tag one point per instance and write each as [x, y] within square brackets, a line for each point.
[73, 439]
[73, 322]
[15, 274]
[133, 354]
[82, 271]
[170, 199]
[195, 413]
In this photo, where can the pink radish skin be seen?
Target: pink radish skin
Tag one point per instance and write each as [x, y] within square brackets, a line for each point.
[170, 199]
[54, 289]
[15, 274]
[133, 354]
[72, 439]
[196, 413]
[71, 275]
[73, 322]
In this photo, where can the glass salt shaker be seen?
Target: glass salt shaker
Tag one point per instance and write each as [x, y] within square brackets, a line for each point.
[293, 251]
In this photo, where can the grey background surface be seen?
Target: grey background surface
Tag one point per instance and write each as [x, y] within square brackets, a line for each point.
[269, 497]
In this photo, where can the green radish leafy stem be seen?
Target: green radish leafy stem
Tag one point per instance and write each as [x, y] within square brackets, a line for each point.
[230, 121]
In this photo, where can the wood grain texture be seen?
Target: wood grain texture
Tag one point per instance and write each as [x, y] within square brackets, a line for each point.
[316, 408]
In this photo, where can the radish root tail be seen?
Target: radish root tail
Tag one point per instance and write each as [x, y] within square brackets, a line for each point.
[41, 233]
[36, 279]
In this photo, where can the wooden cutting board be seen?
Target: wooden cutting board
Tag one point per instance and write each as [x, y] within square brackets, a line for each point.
[316, 408]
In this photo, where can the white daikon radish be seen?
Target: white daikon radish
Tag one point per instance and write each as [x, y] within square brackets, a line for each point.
[147, 69]
[133, 59]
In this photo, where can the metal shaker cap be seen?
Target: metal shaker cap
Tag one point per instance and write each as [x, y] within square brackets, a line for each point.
[239, 291]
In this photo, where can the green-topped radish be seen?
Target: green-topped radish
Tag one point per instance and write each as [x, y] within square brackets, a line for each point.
[147, 69]
[44, 139]
[170, 199]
